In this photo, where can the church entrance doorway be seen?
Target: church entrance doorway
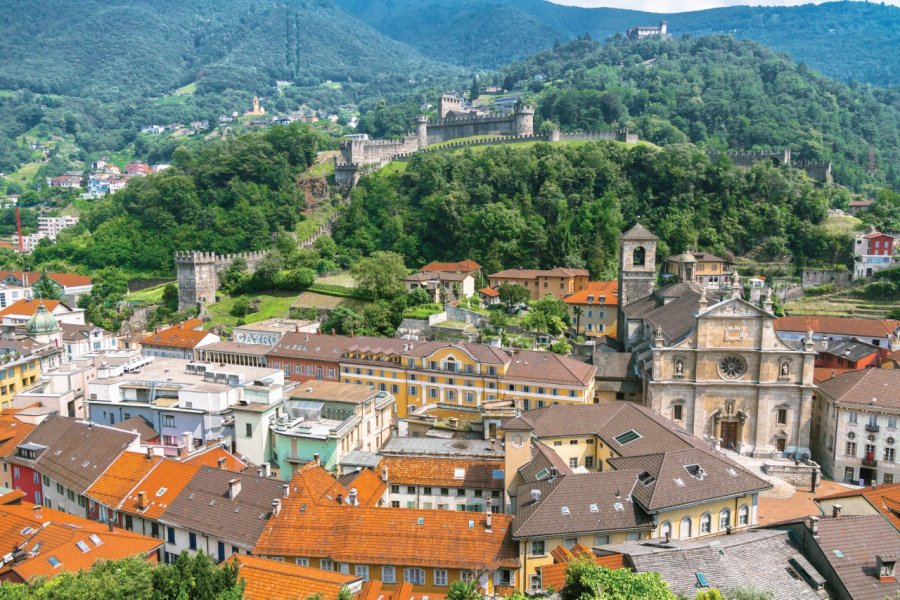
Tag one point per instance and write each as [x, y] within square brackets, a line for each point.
[728, 432]
[779, 444]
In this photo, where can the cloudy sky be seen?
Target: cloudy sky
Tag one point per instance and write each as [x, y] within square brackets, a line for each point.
[670, 6]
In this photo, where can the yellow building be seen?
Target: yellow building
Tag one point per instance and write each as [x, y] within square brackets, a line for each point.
[609, 473]
[16, 375]
[467, 375]
[594, 311]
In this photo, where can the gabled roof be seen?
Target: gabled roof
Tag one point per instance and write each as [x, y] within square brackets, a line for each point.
[451, 267]
[369, 487]
[121, 477]
[549, 368]
[77, 452]
[533, 273]
[555, 575]
[161, 486]
[140, 425]
[852, 349]
[424, 276]
[28, 278]
[12, 432]
[869, 328]
[579, 504]
[850, 545]
[884, 498]
[204, 505]
[444, 472]
[687, 476]
[177, 336]
[638, 233]
[543, 460]
[868, 387]
[671, 309]
[595, 289]
[211, 456]
[272, 580]
[29, 307]
[489, 292]
[73, 543]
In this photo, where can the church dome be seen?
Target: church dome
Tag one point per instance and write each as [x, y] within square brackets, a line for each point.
[42, 322]
[687, 257]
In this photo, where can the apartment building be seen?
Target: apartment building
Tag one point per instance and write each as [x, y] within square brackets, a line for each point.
[559, 282]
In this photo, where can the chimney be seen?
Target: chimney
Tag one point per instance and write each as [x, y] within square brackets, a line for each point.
[186, 441]
[814, 526]
[353, 497]
[234, 488]
[286, 489]
[149, 453]
[316, 458]
[384, 473]
[488, 513]
[535, 495]
[109, 524]
[276, 507]
[266, 470]
[340, 499]
[221, 462]
[142, 500]
[836, 511]
[259, 472]
[885, 564]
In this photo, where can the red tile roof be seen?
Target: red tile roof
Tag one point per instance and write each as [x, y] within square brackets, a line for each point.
[162, 485]
[533, 273]
[489, 292]
[119, 479]
[73, 543]
[29, 307]
[369, 487]
[463, 266]
[29, 278]
[596, 289]
[211, 456]
[555, 575]
[178, 336]
[273, 580]
[12, 432]
[870, 328]
[443, 472]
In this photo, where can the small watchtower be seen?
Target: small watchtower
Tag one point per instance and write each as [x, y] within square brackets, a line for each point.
[449, 104]
[524, 115]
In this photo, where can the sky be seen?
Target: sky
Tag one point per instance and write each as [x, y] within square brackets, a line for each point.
[672, 6]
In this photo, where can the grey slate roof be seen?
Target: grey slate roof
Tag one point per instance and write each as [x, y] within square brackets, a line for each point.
[638, 233]
[673, 484]
[859, 540]
[579, 503]
[851, 349]
[542, 458]
[203, 505]
[671, 309]
[77, 452]
[757, 559]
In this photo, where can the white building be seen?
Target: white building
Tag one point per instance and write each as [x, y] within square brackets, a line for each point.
[51, 226]
[854, 432]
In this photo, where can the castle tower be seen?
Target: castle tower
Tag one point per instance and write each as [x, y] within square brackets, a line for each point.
[422, 132]
[448, 104]
[524, 114]
[637, 271]
[197, 279]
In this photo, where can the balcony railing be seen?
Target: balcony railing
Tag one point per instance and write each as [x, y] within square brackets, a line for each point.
[869, 462]
[873, 428]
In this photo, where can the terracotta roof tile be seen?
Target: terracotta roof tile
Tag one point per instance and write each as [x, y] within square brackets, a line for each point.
[870, 328]
[489, 292]
[29, 278]
[534, 273]
[555, 575]
[272, 580]
[444, 472]
[29, 307]
[395, 536]
[162, 485]
[59, 535]
[176, 337]
[121, 477]
[210, 458]
[464, 266]
[596, 289]
[369, 487]
[12, 432]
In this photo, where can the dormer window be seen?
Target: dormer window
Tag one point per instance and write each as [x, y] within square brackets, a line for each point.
[886, 566]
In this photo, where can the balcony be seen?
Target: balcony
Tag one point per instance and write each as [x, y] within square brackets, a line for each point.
[873, 428]
[869, 462]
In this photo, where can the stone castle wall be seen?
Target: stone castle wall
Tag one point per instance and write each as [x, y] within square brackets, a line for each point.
[198, 275]
[817, 171]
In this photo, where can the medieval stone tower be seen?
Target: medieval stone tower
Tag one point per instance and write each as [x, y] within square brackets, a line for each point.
[421, 132]
[198, 275]
[637, 268]
[524, 115]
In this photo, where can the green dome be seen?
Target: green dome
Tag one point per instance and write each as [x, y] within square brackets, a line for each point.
[42, 321]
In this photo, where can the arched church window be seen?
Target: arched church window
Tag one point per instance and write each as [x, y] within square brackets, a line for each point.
[639, 256]
[685, 529]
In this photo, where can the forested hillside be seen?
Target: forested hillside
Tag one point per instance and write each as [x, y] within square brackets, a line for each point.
[851, 41]
[565, 205]
[720, 93]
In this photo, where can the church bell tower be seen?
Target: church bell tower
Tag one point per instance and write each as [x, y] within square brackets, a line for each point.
[637, 271]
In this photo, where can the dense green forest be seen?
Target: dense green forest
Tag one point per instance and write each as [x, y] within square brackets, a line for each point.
[230, 196]
[565, 205]
[99, 70]
[851, 41]
[721, 93]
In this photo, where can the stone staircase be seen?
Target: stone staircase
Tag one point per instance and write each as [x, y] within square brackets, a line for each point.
[780, 488]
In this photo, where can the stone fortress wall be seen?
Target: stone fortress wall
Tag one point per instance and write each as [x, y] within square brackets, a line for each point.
[817, 171]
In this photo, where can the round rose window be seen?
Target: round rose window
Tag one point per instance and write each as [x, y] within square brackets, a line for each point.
[732, 367]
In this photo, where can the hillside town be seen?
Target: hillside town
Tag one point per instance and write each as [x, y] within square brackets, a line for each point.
[691, 430]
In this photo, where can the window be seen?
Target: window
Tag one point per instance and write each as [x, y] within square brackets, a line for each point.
[573, 462]
[888, 478]
[850, 449]
[852, 417]
[395, 489]
[573, 442]
[46, 479]
[849, 473]
[685, 531]
[892, 422]
[301, 562]
[724, 519]
[248, 429]
[71, 495]
[589, 462]
[388, 575]
[445, 491]
[362, 571]
[743, 515]
[170, 535]
[782, 416]
[326, 564]
[192, 541]
[535, 584]
[570, 542]
[410, 489]
[628, 436]
[677, 411]
[451, 394]
[889, 455]
[537, 548]
[59, 488]
[413, 390]
[633, 536]
[440, 577]
[665, 529]
[414, 575]
[873, 420]
[395, 504]
[432, 392]
[426, 491]
[705, 523]
[169, 420]
[600, 540]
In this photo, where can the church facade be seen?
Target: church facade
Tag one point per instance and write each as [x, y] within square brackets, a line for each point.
[714, 364]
